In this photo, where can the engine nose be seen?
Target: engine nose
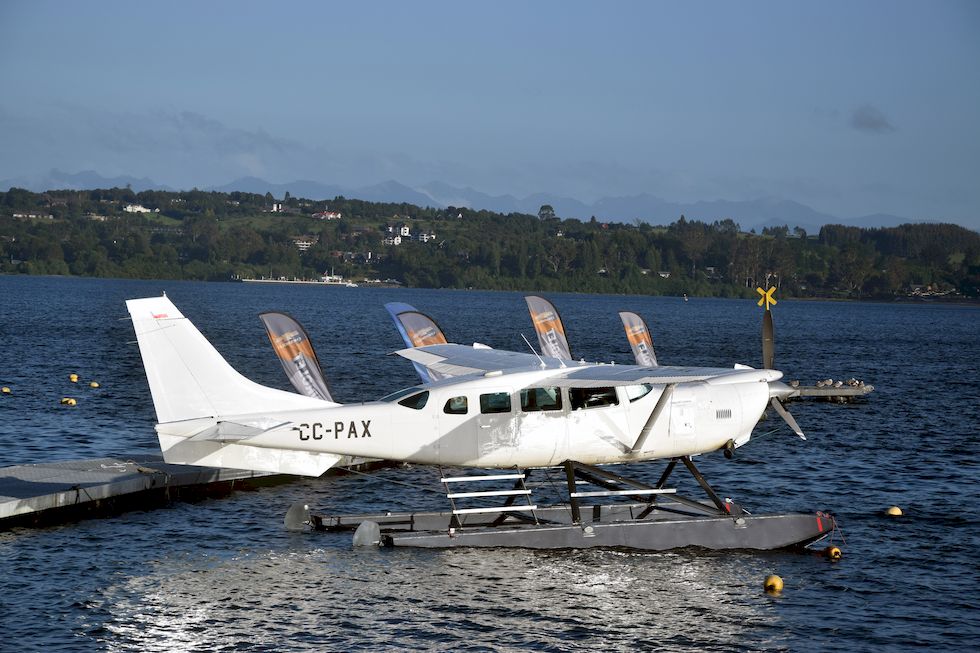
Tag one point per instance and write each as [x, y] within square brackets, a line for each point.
[780, 390]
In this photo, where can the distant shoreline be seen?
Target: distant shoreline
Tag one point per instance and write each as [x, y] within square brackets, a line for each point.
[945, 301]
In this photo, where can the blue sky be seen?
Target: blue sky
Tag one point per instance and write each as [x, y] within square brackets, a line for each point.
[849, 107]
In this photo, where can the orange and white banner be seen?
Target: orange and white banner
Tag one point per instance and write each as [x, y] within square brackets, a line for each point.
[548, 325]
[417, 330]
[640, 340]
[295, 351]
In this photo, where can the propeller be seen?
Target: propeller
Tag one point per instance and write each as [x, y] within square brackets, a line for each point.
[768, 346]
[778, 391]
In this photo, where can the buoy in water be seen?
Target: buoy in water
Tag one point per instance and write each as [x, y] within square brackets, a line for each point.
[894, 511]
[773, 584]
[73, 378]
[93, 384]
[68, 401]
[833, 553]
[5, 390]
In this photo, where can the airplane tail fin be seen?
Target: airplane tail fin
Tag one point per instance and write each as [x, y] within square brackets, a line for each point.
[194, 389]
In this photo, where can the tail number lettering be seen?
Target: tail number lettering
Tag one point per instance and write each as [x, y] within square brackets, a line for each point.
[350, 429]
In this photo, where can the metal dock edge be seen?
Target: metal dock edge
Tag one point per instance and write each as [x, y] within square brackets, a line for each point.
[45, 494]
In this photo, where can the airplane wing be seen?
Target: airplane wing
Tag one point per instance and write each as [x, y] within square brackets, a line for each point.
[595, 376]
[460, 360]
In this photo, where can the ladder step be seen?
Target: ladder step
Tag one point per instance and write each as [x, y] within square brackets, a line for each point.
[466, 479]
[499, 493]
[615, 493]
[470, 511]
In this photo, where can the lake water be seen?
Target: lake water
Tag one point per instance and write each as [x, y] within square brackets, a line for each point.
[224, 574]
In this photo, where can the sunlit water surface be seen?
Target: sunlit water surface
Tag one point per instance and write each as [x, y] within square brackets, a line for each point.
[224, 574]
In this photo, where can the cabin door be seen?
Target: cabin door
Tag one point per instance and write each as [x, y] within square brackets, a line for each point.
[683, 411]
[497, 432]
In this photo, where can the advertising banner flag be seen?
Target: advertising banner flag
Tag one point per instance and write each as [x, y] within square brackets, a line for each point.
[640, 340]
[417, 330]
[295, 352]
[421, 329]
[550, 330]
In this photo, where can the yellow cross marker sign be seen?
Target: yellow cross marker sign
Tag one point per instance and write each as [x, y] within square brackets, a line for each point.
[767, 297]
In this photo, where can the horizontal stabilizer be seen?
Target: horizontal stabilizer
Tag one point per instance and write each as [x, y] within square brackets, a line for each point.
[225, 444]
[227, 431]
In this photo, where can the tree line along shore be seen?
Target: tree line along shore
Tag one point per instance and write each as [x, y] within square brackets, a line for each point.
[228, 236]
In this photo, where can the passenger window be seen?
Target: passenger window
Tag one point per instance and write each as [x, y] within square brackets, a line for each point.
[592, 397]
[416, 402]
[456, 406]
[534, 399]
[496, 402]
[636, 392]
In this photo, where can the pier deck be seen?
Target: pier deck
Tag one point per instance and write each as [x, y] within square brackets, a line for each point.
[842, 394]
[50, 493]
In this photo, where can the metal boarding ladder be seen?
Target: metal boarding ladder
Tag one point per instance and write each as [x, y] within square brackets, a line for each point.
[517, 491]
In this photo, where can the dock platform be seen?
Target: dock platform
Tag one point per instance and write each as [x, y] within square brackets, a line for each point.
[843, 394]
[45, 494]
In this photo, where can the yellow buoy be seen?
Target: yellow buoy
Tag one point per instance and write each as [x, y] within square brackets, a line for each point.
[894, 511]
[5, 390]
[68, 401]
[93, 384]
[73, 378]
[773, 584]
[833, 552]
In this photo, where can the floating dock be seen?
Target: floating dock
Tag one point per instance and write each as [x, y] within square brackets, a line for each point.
[45, 494]
[842, 394]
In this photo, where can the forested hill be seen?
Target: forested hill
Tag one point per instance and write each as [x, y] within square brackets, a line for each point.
[225, 236]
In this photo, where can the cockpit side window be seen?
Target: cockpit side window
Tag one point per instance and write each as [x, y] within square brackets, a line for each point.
[456, 406]
[637, 392]
[495, 402]
[536, 399]
[416, 401]
[592, 397]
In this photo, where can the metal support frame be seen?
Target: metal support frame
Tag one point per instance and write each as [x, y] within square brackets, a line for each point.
[641, 491]
[722, 506]
[612, 484]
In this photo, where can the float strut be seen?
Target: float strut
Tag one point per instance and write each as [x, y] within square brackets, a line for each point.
[703, 483]
[666, 474]
[572, 499]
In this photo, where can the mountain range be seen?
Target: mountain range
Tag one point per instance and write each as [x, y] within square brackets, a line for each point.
[750, 214]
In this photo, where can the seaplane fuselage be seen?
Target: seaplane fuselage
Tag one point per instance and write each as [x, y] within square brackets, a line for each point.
[520, 419]
[492, 408]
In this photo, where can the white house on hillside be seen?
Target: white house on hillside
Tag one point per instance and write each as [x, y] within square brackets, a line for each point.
[138, 208]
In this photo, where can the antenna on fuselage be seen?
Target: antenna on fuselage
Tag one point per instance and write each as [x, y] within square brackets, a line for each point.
[543, 364]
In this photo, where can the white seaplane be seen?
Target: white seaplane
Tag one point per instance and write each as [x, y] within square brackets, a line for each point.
[489, 409]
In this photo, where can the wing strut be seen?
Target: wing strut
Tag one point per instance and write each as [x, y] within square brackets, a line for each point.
[648, 427]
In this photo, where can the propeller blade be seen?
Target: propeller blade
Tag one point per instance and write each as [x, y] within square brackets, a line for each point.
[768, 343]
[787, 417]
